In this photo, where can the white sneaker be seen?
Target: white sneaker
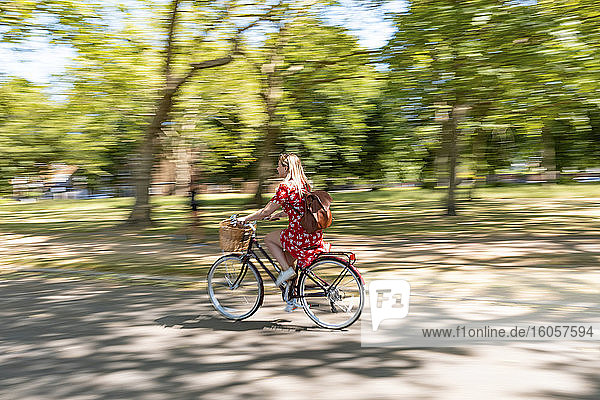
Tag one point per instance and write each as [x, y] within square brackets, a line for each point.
[292, 305]
[284, 276]
[286, 290]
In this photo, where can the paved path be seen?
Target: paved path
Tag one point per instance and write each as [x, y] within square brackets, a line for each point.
[67, 338]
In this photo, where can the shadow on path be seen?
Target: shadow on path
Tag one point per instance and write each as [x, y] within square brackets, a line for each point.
[219, 324]
[76, 339]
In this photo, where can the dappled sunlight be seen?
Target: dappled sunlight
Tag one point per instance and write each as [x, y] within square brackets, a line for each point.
[539, 251]
[404, 228]
[129, 341]
[518, 287]
[480, 311]
[16, 240]
[138, 339]
[107, 253]
[460, 142]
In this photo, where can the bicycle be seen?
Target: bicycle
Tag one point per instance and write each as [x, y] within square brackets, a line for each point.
[330, 289]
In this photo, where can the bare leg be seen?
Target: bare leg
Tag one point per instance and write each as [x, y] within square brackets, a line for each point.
[290, 258]
[273, 241]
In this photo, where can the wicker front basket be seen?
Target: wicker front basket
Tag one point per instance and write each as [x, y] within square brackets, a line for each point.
[232, 237]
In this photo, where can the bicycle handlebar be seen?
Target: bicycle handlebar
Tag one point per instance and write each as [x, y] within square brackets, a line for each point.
[234, 221]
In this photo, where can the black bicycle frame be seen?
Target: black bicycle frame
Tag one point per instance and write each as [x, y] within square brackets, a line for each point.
[251, 253]
[325, 286]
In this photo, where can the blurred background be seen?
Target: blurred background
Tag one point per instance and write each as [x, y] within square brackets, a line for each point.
[125, 98]
[135, 110]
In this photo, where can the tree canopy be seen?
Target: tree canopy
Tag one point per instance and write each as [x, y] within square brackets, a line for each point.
[462, 90]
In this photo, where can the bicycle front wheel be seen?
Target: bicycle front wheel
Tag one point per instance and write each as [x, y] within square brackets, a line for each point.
[235, 288]
[332, 294]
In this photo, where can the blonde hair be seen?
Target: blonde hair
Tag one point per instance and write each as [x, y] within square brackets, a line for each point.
[295, 172]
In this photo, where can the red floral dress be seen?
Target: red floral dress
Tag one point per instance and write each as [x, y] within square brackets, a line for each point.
[303, 246]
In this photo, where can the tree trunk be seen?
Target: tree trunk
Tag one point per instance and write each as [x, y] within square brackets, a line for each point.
[182, 157]
[548, 153]
[143, 167]
[272, 130]
[196, 231]
[142, 175]
[479, 147]
[265, 164]
[450, 132]
[140, 215]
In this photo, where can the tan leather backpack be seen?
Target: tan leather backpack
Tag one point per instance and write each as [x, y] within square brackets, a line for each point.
[317, 212]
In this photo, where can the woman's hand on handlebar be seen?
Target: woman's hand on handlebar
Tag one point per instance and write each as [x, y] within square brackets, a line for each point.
[242, 221]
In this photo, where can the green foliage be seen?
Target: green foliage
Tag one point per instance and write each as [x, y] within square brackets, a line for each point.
[329, 91]
[218, 115]
[48, 231]
[31, 134]
[114, 81]
[517, 69]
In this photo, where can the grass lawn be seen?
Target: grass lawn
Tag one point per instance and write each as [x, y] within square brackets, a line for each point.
[89, 234]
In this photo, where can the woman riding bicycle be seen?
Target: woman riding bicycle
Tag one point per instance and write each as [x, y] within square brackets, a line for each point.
[329, 287]
[293, 243]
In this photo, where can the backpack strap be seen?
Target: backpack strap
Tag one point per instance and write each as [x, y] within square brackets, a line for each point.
[302, 208]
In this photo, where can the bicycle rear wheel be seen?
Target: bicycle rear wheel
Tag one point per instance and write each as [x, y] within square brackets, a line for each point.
[235, 288]
[332, 294]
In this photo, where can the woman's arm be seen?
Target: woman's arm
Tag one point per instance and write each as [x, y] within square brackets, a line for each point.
[277, 216]
[262, 213]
